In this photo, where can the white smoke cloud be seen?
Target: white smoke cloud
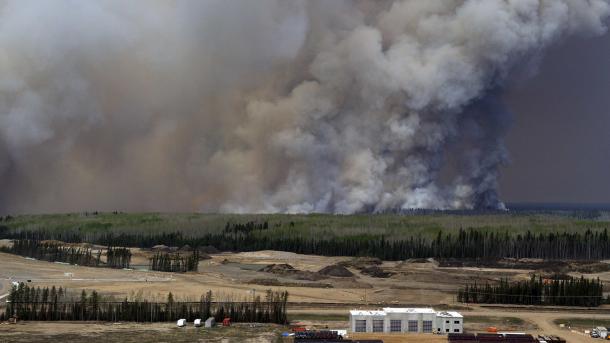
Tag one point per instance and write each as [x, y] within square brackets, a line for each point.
[264, 106]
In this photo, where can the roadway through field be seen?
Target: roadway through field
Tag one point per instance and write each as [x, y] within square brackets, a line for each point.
[545, 321]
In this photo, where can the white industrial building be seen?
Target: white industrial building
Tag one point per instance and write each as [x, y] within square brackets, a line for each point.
[406, 320]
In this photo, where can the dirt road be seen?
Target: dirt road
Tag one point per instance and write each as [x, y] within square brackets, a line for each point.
[545, 321]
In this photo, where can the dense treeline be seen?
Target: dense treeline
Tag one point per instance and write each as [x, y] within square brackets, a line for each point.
[471, 243]
[248, 227]
[29, 303]
[536, 291]
[53, 252]
[116, 257]
[166, 262]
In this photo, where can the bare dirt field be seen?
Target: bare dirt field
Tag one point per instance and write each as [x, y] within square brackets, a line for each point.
[129, 332]
[316, 299]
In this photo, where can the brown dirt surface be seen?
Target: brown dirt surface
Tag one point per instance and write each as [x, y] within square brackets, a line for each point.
[278, 268]
[26, 332]
[287, 270]
[376, 271]
[361, 262]
[336, 270]
[277, 283]
[413, 283]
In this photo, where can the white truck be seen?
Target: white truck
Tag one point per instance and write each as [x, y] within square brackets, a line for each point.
[599, 332]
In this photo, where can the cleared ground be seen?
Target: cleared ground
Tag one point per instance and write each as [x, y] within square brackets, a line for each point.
[136, 333]
[421, 282]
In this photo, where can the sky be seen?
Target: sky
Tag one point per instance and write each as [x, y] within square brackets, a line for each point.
[301, 106]
[559, 142]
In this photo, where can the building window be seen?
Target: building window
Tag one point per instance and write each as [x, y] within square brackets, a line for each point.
[395, 325]
[427, 326]
[456, 330]
[446, 330]
[455, 322]
[446, 321]
[361, 326]
[377, 325]
[413, 326]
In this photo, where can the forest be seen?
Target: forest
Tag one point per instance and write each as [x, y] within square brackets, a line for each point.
[36, 303]
[461, 243]
[566, 291]
[167, 262]
[116, 257]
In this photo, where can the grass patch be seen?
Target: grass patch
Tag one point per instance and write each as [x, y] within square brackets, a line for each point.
[583, 322]
[240, 333]
[494, 320]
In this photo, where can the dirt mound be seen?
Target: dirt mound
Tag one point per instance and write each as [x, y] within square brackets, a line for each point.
[308, 276]
[160, 247]
[275, 282]
[186, 248]
[361, 262]
[335, 270]
[376, 271]
[418, 260]
[285, 269]
[280, 268]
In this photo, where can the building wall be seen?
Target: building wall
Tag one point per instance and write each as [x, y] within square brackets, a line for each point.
[420, 318]
[454, 324]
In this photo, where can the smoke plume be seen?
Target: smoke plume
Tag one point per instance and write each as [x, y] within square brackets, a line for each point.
[267, 105]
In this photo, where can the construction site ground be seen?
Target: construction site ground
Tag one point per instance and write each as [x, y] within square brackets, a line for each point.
[323, 302]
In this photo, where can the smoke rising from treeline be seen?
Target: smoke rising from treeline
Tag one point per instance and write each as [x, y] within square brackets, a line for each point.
[267, 105]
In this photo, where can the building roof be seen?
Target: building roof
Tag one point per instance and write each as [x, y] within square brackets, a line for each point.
[366, 313]
[449, 314]
[408, 310]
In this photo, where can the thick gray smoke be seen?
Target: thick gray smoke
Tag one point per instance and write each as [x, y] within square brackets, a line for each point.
[267, 105]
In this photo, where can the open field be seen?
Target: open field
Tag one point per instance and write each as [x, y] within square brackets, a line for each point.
[417, 282]
[321, 302]
[390, 225]
[134, 333]
[583, 323]
[477, 323]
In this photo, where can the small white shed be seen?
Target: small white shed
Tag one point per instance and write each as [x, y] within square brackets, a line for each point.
[181, 323]
[210, 322]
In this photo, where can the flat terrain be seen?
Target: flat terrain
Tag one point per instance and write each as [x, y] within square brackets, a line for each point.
[31, 332]
[413, 282]
[317, 303]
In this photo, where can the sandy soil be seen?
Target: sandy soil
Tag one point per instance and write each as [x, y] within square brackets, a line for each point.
[234, 274]
[231, 274]
[413, 283]
[31, 332]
